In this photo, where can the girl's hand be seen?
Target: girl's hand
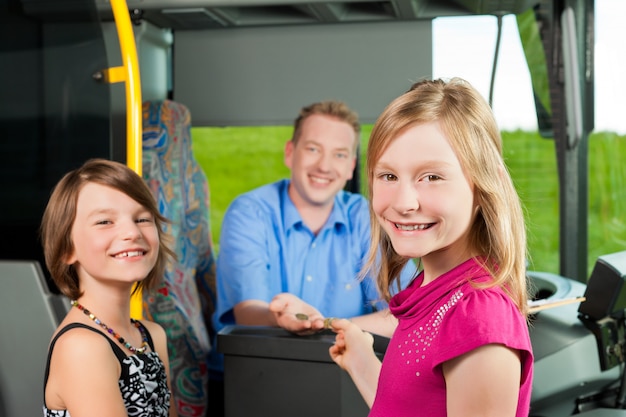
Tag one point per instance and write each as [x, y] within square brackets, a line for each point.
[354, 352]
[352, 347]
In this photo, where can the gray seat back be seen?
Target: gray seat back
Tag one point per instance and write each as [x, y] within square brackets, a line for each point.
[29, 314]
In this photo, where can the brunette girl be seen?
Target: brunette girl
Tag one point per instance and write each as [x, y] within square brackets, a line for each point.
[101, 234]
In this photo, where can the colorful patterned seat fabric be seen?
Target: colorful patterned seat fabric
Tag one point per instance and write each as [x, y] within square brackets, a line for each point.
[185, 302]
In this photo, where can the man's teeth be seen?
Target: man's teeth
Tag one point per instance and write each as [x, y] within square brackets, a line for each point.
[129, 254]
[412, 227]
[320, 180]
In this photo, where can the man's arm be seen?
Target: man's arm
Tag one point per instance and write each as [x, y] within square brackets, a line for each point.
[243, 272]
[254, 313]
[284, 308]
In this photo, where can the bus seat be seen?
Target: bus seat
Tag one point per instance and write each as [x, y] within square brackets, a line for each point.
[186, 301]
[29, 314]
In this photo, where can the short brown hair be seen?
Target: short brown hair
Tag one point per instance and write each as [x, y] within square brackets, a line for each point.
[60, 213]
[334, 108]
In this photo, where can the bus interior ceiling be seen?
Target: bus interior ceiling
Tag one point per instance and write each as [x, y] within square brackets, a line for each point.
[242, 62]
[230, 62]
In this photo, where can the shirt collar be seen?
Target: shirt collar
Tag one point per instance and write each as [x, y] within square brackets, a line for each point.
[292, 219]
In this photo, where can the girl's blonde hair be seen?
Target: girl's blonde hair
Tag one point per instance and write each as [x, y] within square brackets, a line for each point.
[498, 232]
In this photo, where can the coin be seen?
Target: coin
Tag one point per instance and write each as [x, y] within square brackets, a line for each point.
[302, 316]
[328, 321]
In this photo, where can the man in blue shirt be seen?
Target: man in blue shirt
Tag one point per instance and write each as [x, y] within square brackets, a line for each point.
[298, 245]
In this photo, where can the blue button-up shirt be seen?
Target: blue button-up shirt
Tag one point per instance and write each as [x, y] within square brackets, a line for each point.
[265, 249]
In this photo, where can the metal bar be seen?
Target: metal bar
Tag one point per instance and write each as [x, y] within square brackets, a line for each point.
[133, 105]
[133, 84]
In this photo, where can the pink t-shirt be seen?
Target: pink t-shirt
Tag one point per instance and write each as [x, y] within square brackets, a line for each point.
[438, 322]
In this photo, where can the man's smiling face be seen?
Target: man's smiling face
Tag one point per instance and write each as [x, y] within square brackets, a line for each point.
[321, 160]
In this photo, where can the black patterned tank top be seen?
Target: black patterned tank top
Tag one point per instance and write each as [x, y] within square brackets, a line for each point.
[143, 382]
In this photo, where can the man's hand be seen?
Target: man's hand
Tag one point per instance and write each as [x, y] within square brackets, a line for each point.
[296, 316]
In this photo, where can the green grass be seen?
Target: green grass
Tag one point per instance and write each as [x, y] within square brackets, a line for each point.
[236, 160]
[607, 195]
[531, 161]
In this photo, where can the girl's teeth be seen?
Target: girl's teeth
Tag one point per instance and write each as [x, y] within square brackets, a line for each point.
[411, 227]
[129, 254]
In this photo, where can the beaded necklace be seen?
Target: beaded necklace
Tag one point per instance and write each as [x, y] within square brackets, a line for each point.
[139, 351]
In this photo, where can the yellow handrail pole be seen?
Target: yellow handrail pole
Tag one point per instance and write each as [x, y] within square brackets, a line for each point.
[133, 84]
[133, 105]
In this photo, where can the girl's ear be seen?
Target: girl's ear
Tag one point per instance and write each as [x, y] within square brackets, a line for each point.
[477, 203]
[70, 258]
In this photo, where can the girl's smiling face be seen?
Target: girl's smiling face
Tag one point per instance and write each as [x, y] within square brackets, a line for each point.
[422, 198]
[114, 237]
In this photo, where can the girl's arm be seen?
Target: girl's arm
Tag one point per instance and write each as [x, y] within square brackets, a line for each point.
[353, 351]
[382, 322]
[84, 375]
[484, 382]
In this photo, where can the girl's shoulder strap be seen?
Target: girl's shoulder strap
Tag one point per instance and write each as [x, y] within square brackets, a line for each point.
[148, 335]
